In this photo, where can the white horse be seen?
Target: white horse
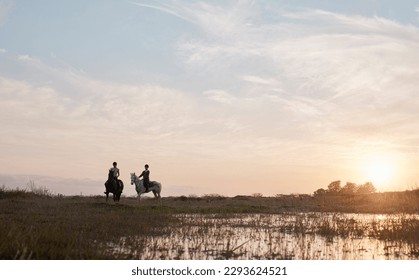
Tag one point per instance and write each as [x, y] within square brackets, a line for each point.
[155, 187]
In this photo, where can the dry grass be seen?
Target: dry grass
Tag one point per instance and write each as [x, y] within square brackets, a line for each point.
[42, 227]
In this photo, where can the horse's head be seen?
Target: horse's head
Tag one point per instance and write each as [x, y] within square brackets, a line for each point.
[133, 176]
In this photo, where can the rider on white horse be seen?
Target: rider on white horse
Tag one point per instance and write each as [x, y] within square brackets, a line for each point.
[154, 186]
[146, 177]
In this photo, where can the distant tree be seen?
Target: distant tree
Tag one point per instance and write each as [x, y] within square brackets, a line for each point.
[334, 187]
[349, 188]
[368, 187]
[320, 191]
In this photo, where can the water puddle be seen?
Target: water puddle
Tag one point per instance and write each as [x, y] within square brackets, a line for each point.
[302, 236]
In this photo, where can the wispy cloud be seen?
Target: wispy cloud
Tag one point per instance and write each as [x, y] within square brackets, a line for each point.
[27, 58]
[331, 64]
[87, 117]
[98, 103]
[342, 75]
[220, 96]
[217, 20]
[259, 80]
[167, 8]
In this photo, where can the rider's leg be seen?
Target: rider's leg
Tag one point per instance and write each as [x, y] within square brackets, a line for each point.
[146, 185]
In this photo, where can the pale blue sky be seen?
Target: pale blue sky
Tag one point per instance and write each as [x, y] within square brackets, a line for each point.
[228, 97]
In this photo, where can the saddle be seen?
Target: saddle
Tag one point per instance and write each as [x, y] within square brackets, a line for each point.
[151, 184]
[112, 179]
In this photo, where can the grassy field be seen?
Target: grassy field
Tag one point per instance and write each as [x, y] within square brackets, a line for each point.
[38, 225]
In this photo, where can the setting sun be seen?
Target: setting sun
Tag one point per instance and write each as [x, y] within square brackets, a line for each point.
[380, 169]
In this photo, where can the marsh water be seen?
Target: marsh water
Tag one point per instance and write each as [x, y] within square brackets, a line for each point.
[302, 236]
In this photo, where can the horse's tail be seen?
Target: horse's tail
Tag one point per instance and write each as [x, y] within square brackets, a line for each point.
[120, 186]
[159, 192]
[156, 185]
[107, 185]
[158, 188]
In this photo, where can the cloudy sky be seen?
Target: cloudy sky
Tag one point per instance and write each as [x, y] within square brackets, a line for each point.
[226, 97]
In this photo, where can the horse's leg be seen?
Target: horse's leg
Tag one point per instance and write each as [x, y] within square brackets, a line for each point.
[106, 190]
[159, 197]
[138, 189]
[118, 195]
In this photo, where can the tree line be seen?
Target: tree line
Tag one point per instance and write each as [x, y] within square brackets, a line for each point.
[349, 188]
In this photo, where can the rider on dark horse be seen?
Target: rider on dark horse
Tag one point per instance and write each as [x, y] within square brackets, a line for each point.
[146, 177]
[115, 171]
[113, 174]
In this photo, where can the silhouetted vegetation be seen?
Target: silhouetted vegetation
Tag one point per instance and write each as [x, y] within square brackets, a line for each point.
[348, 189]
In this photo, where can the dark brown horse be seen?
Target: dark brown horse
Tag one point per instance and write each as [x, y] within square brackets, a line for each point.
[114, 186]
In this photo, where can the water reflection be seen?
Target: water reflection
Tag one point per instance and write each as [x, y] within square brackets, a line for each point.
[303, 236]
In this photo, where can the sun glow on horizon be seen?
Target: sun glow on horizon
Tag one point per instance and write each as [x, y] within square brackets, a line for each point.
[380, 169]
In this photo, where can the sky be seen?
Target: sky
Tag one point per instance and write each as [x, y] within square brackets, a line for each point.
[218, 97]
